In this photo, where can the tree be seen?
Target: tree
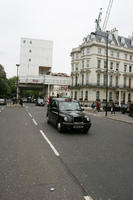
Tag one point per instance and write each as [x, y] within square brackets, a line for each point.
[3, 83]
[2, 72]
[12, 86]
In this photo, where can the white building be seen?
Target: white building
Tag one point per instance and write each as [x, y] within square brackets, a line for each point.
[88, 69]
[35, 57]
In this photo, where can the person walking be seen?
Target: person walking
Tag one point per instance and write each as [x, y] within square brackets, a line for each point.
[112, 108]
[21, 102]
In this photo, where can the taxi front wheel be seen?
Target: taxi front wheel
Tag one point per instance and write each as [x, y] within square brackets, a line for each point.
[59, 126]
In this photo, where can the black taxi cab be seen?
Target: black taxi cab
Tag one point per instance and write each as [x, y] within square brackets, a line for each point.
[67, 114]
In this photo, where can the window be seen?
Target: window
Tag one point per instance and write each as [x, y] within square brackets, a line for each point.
[131, 57]
[29, 59]
[82, 64]
[125, 68]
[87, 65]
[72, 67]
[124, 82]
[76, 81]
[98, 63]
[97, 95]
[124, 97]
[129, 97]
[126, 56]
[30, 42]
[87, 78]
[105, 51]
[72, 95]
[86, 95]
[24, 41]
[117, 66]
[105, 66]
[129, 82]
[75, 96]
[104, 80]
[111, 65]
[111, 78]
[98, 79]
[112, 53]
[30, 51]
[110, 96]
[118, 54]
[82, 79]
[82, 95]
[116, 83]
[88, 50]
[99, 50]
[76, 67]
[117, 96]
[130, 68]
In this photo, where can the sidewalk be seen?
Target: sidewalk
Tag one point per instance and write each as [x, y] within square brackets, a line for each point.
[117, 116]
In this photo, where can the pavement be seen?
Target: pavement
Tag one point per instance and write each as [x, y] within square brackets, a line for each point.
[117, 116]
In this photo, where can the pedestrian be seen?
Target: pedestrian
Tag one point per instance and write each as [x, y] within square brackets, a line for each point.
[112, 108]
[21, 102]
[97, 106]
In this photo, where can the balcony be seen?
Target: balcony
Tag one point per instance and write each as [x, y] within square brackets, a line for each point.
[102, 70]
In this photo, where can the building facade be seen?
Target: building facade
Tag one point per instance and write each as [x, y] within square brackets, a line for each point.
[35, 57]
[89, 69]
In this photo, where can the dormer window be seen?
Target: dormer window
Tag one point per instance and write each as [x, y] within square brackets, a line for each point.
[110, 37]
[123, 41]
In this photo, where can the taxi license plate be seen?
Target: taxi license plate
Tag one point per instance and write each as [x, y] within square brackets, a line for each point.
[77, 126]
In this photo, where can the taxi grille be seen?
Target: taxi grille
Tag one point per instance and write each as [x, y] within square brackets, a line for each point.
[78, 119]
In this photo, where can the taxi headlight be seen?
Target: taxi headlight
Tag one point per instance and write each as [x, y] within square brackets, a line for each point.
[66, 119]
[87, 118]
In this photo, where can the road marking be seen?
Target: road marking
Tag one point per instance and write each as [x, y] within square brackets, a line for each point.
[88, 198]
[35, 122]
[30, 115]
[50, 144]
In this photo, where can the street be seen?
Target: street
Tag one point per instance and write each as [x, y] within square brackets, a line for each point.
[36, 157]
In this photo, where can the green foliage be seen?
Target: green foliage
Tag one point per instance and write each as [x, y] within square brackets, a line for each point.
[12, 86]
[4, 88]
[29, 93]
[2, 72]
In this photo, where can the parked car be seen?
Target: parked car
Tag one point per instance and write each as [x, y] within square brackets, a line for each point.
[131, 110]
[125, 108]
[67, 114]
[2, 101]
[40, 102]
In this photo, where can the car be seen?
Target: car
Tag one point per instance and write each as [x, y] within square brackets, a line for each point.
[2, 101]
[125, 108]
[131, 110]
[40, 102]
[66, 114]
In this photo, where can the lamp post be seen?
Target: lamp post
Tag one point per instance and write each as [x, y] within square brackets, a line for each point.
[106, 36]
[17, 96]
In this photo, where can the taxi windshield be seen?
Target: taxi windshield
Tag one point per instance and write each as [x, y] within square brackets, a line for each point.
[69, 106]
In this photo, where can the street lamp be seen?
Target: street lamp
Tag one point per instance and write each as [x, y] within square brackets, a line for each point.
[106, 36]
[17, 96]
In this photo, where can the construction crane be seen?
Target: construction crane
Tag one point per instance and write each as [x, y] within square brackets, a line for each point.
[97, 21]
[107, 15]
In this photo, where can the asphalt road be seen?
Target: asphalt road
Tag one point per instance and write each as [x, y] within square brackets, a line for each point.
[97, 165]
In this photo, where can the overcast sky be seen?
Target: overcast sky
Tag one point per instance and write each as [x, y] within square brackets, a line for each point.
[65, 22]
